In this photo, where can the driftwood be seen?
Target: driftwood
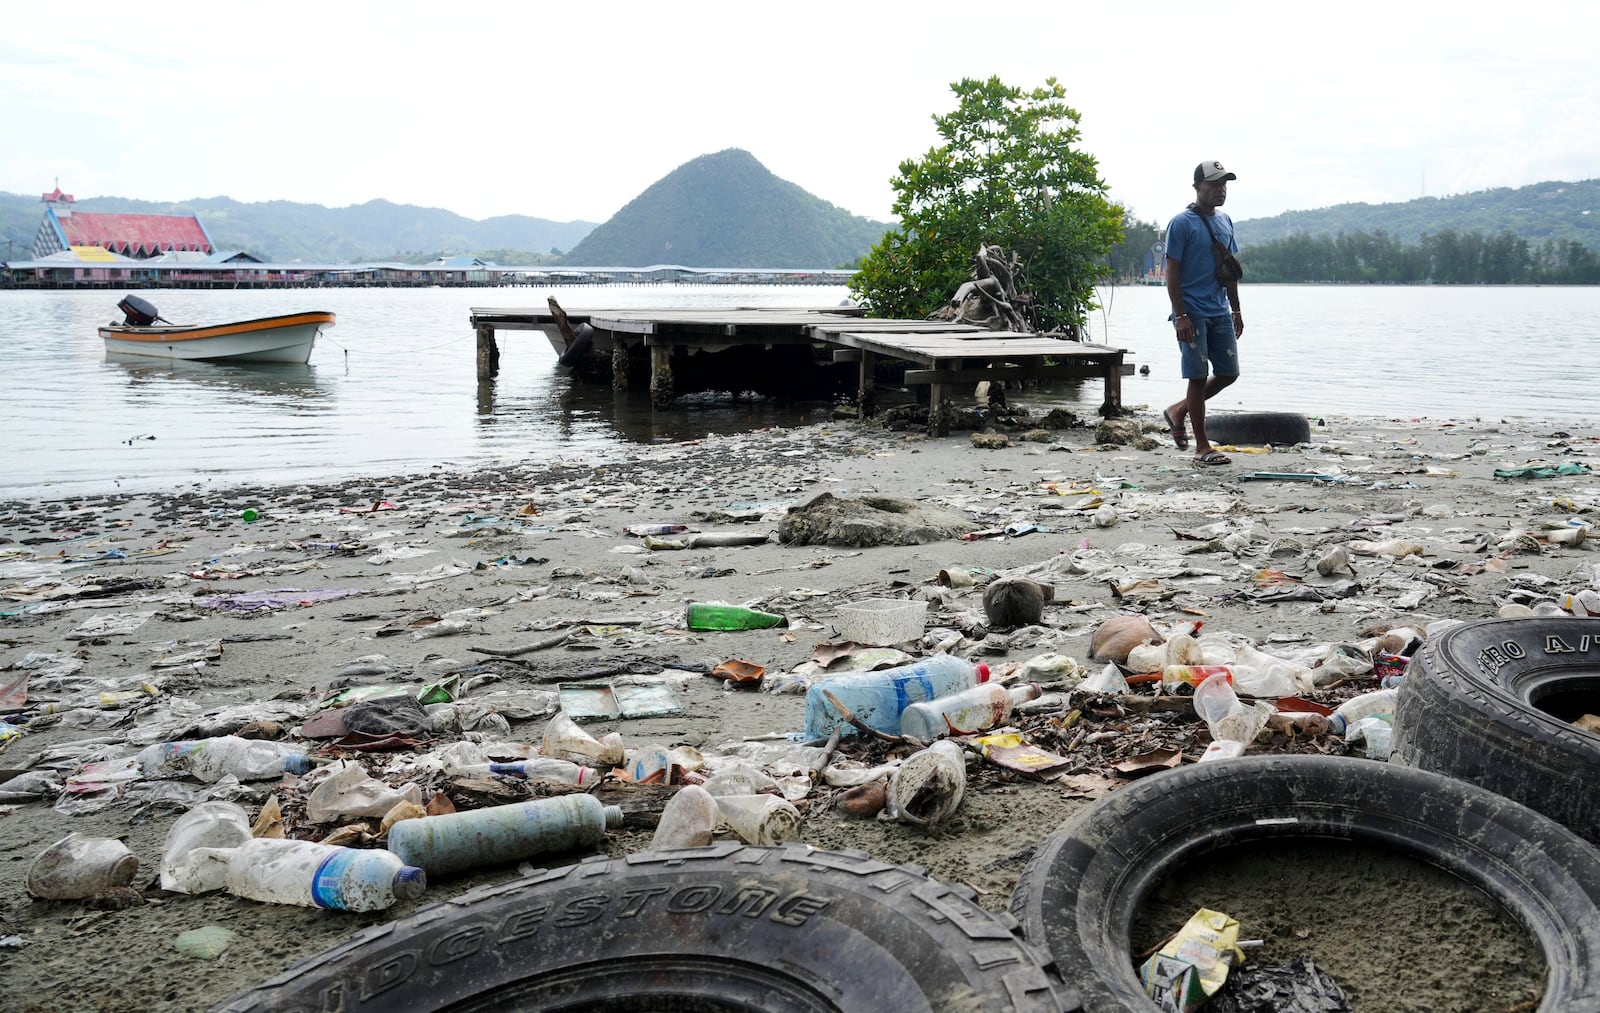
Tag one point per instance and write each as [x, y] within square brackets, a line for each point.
[568, 335]
[991, 299]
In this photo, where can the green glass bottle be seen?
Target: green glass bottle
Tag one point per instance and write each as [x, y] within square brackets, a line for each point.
[713, 616]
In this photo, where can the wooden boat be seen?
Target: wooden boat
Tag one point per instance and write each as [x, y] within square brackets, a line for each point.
[285, 338]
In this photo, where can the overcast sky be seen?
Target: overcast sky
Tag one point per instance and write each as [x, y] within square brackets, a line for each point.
[567, 111]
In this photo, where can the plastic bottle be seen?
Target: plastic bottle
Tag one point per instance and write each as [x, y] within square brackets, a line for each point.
[928, 786]
[555, 771]
[688, 821]
[1379, 701]
[77, 866]
[878, 697]
[281, 871]
[200, 844]
[564, 740]
[640, 530]
[713, 616]
[974, 710]
[760, 819]
[213, 759]
[453, 842]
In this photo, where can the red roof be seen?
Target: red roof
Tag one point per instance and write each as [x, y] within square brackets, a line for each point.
[56, 195]
[135, 235]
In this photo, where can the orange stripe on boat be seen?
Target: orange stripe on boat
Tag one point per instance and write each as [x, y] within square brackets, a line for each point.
[163, 335]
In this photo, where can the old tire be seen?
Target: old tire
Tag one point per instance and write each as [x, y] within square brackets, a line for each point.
[1079, 895]
[1494, 703]
[1253, 428]
[717, 928]
[582, 341]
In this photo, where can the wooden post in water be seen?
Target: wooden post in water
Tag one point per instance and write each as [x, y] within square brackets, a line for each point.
[660, 376]
[488, 352]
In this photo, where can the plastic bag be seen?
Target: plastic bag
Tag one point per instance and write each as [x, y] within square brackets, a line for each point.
[1225, 714]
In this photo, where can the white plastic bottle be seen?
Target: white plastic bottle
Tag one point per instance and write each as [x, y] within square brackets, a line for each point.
[878, 698]
[978, 709]
[279, 871]
[453, 842]
[213, 759]
[928, 786]
[200, 844]
[555, 771]
[1379, 701]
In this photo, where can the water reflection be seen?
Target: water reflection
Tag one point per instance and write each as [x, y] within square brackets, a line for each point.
[295, 384]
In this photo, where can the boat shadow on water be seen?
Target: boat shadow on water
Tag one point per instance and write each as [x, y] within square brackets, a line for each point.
[291, 383]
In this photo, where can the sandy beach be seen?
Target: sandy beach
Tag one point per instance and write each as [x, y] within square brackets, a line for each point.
[240, 624]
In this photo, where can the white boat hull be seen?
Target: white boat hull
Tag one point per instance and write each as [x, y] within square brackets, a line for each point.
[287, 338]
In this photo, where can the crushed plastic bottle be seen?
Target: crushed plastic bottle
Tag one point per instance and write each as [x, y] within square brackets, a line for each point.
[1377, 702]
[76, 867]
[545, 769]
[211, 760]
[877, 698]
[473, 838]
[200, 844]
[306, 873]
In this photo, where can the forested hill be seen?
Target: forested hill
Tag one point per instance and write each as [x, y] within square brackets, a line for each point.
[286, 232]
[1560, 211]
[728, 210]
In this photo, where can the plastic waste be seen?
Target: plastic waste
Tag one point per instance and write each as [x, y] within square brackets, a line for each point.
[351, 792]
[565, 740]
[1371, 736]
[928, 786]
[877, 698]
[649, 765]
[282, 871]
[199, 845]
[555, 771]
[211, 760]
[1108, 680]
[1222, 749]
[688, 821]
[454, 842]
[1192, 675]
[250, 515]
[640, 530]
[1225, 714]
[740, 779]
[1379, 701]
[978, 709]
[1584, 603]
[716, 616]
[77, 866]
[760, 819]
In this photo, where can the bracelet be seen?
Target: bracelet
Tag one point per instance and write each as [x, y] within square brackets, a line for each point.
[1238, 313]
[1180, 316]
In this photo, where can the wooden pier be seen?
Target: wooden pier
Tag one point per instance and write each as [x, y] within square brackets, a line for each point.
[935, 353]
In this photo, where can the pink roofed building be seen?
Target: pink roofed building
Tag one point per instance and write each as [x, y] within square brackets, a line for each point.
[139, 237]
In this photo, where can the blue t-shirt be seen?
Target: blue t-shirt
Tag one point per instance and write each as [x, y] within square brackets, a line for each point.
[1189, 244]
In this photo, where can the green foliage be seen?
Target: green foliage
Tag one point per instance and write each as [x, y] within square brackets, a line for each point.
[1448, 258]
[1554, 210]
[726, 210]
[1127, 257]
[1006, 174]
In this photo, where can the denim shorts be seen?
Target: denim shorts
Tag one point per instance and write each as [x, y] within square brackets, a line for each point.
[1214, 340]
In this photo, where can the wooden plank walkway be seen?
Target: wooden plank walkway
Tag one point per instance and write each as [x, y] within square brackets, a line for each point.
[939, 353]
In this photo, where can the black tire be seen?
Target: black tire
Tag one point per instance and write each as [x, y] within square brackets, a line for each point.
[1494, 703]
[1080, 893]
[582, 341]
[1254, 428]
[717, 928]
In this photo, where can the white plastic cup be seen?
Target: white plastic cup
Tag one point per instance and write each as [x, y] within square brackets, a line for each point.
[760, 819]
[76, 867]
[688, 821]
[928, 786]
[196, 857]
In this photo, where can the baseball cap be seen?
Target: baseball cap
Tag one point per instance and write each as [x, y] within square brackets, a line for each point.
[1211, 172]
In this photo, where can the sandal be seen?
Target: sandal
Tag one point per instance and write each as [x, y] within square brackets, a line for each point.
[1180, 438]
[1213, 457]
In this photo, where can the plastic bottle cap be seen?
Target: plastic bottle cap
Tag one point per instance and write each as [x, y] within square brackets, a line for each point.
[298, 763]
[983, 672]
[409, 882]
[250, 514]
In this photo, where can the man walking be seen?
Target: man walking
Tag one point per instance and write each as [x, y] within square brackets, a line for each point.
[1203, 287]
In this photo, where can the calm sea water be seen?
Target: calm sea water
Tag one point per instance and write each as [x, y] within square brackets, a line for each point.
[393, 387]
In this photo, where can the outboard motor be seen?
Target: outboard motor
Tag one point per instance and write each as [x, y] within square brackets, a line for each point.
[136, 312]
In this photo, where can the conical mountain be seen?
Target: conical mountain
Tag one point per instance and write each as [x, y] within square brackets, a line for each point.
[727, 210]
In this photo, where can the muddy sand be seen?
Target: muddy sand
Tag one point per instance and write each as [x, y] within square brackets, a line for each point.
[130, 590]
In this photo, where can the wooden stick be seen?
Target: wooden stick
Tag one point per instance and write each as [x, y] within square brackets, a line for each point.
[514, 652]
[861, 725]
